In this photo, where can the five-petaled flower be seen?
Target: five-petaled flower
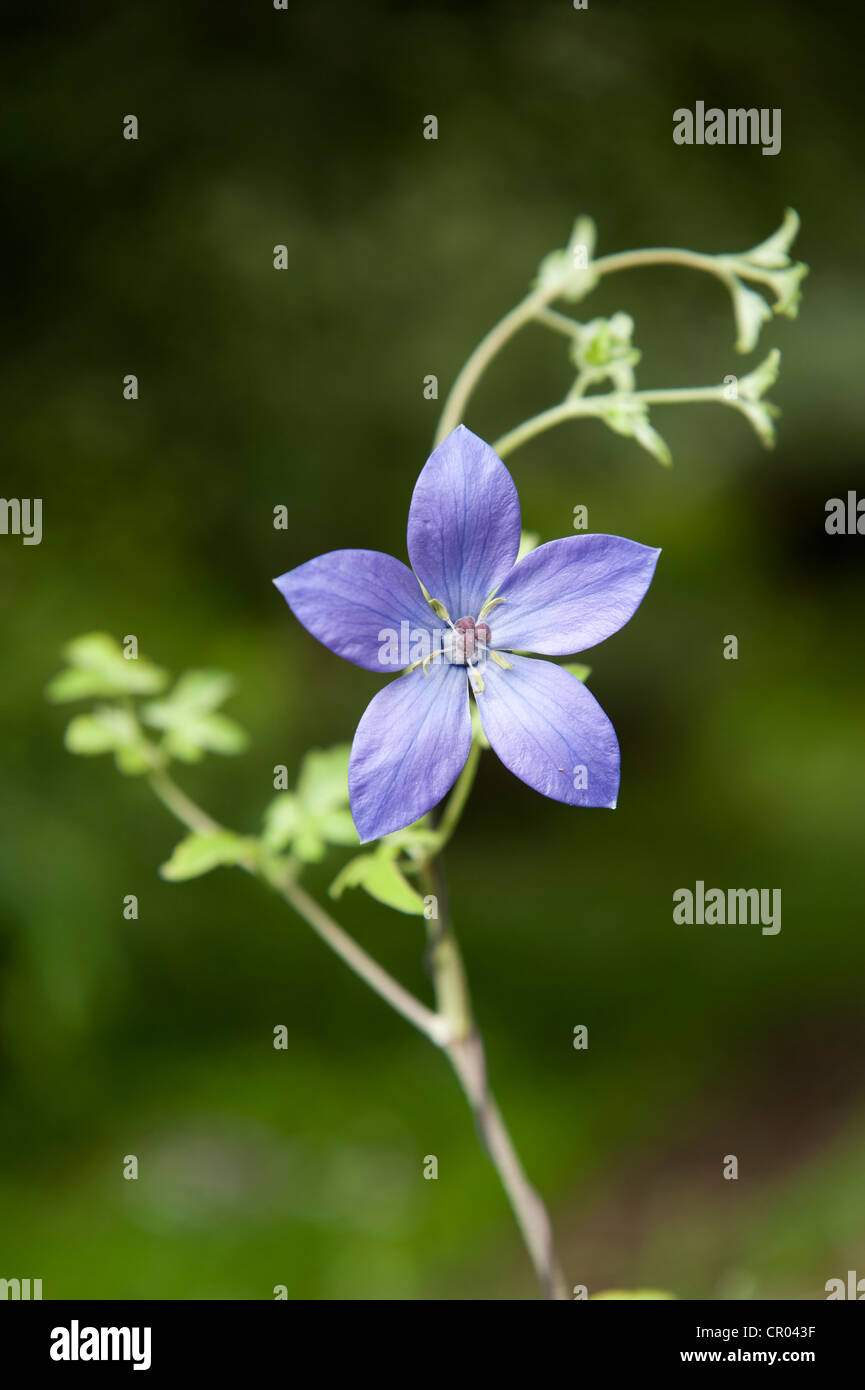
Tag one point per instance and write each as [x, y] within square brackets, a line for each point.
[466, 603]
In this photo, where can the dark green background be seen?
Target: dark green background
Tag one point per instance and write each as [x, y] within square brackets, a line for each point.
[305, 388]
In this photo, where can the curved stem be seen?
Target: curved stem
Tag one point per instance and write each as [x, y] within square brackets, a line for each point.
[597, 405]
[437, 1029]
[535, 306]
[450, 1027]
[477, 363]
[663, 255]
[468, 1059]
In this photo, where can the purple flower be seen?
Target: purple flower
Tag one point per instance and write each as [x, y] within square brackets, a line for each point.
[447, 626]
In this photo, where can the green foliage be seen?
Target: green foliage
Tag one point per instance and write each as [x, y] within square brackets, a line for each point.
[750, 391]
[187, 717]
[379, 875]
[631, 417]
[198, 854]
[569, 270]
[770, 264]
[602, 350]
[191, 727]
[316, 813]
[97, 667]
[111, 729]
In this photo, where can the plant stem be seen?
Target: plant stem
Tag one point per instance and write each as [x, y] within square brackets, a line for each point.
[597, 405]
[384, 985]
[459, 796]
[486, 350]
[536, 307]
[469, 1063]
[451, 1026]
[663, 255]
[468, 1059]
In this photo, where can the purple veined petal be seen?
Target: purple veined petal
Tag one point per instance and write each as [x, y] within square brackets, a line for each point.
[410, 746]
[349, 598]
[550, 731]
[463, 523]
[571, 594]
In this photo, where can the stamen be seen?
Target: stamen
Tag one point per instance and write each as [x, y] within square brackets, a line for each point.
[490, 605]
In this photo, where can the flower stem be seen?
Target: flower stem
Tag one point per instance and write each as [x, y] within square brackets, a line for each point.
[480, 359]
[662, 255]
[597, 405]
[536, 307]
[384, 985]
[468, 1059]
[469, 1063]
[459, 796]
[451, 1026]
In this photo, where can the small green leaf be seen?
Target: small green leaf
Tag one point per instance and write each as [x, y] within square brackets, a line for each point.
[631, 417]
[751, 311]
[98, 667]
[198, 854]
[602, 350]
[379, 876]
[569, 271]
[110, 729]
[188, 720]
[323, 781]
[581, 672]
[281, 822]
[773, 253]
[338, 828]
[316, 814]
[88, 735]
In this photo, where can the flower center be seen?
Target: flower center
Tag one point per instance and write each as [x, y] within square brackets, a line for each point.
[467, 642]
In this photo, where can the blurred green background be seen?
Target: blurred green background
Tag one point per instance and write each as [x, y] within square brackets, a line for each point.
[304, 1167]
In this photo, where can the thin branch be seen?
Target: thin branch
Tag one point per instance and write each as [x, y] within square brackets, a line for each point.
[437, 1029]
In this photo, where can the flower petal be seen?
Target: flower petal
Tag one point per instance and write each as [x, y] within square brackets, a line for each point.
[571, 594]
[464, 523]
[409, 749]
[349, 598]
[550, 731]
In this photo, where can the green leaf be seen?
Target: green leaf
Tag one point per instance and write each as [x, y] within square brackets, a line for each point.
[323, 781]
[98, 667]
[751, 311]
[188, 720]
[110, 729]
[576, 668]
[88, 735]
[773, 252]
[602, 350]
[196, 692]
[379, 876]
[560, 270]
[316, 814]
[282, 820]
[198, 854]
[751, 388]
[632, 418]
[338, 828]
